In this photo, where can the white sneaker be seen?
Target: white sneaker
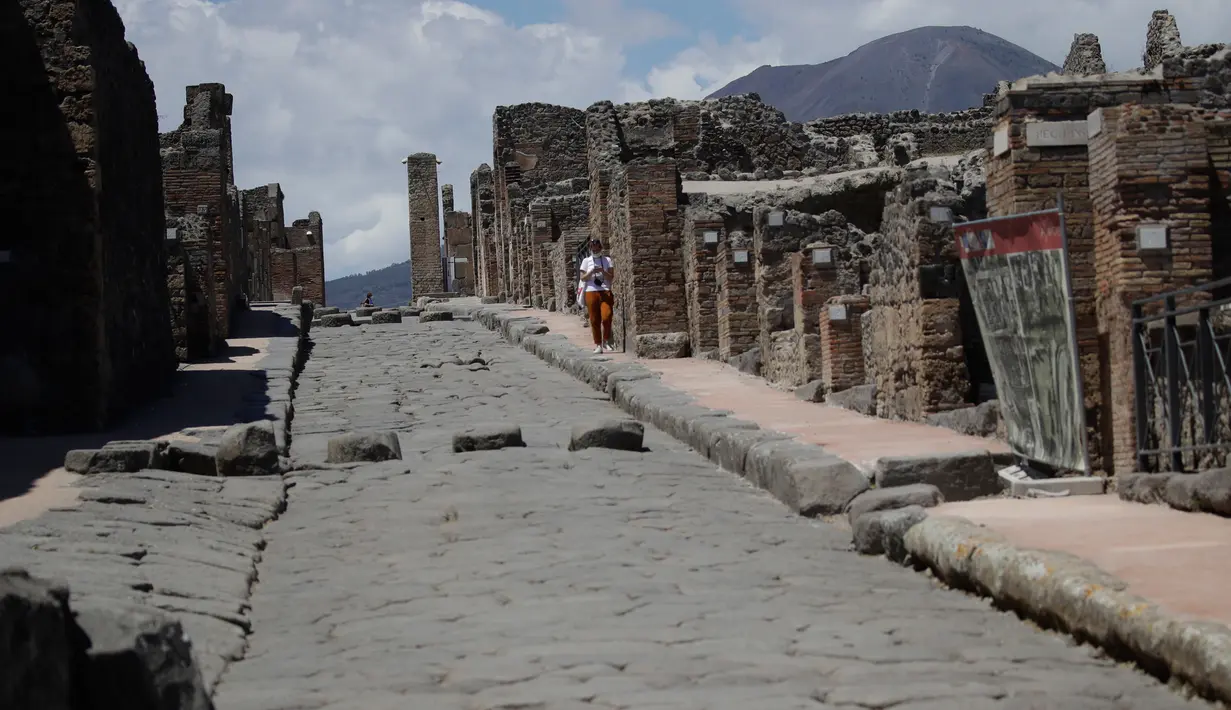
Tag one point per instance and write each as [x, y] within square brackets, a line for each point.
[598, 349]
[608, 347]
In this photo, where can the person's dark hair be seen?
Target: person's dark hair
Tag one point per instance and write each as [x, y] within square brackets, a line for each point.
[596, 243]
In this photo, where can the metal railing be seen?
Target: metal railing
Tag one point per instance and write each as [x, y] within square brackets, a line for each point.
[1181, 382]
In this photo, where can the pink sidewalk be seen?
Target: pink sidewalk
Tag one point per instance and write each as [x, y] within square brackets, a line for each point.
[1176, 560]
[852, 436]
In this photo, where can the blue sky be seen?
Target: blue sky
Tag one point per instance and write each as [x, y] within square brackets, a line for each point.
[331, 94]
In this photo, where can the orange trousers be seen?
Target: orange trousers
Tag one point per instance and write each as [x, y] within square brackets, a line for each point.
[599, 306]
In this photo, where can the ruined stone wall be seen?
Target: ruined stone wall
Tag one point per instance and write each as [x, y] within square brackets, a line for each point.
[79, 116]
[263, 219]
[1200, 75]
[489, 280]
[561, 225]
[196, 174]
[535, 147]
[426, 271]
[700, 287]
[1162, 40]
[786, 353]
[897, 137]
[912, 335]
[1085, 56]
[305, 240]
[458, 235]
[1148, 164]
[735, 277]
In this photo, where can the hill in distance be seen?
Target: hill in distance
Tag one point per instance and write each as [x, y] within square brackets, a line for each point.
[932, 69]
[390, 286]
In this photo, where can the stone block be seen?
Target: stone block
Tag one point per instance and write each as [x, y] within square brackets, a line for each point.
[814, 391]
[980, 420]
[748, 362]
[42, 650]
[861, 399]
[336, 320]
[622, 435]
[817, 483]
[1206, 492]
[189, 457]
[115, 457]
[959, 476]
[435, 316]
[883, 532]
[321, 311]
[728, 442]
[386, 317]
[357, 447]
[488, 438]
[248, 450]
[367, 311]
[1144, 487]
[1068, 485]
[922, 495]
[661, 346]
[140, 658]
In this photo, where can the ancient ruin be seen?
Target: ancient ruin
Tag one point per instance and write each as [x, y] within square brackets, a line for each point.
[824, 252]
[149, 271]
[427, 274]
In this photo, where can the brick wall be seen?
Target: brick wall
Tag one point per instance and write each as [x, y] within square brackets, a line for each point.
[645, 245]
[560, 225]
[700, 285]
[305, 239]
[262, 218]
[196, 174]
[1148, 164]
[426, 272]
[1027, 178]
[737, 296]
[841, 342]
[790, 355]
[284, 272]
[84, 225]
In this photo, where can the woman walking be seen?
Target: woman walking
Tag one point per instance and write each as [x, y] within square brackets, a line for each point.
[596, 274]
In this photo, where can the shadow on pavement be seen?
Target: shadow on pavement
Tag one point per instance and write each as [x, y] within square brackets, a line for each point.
[228, 389]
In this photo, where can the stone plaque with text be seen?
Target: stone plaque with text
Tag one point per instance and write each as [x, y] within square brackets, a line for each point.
[1044, 134]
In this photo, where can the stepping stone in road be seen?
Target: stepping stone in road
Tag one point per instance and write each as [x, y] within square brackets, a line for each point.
[190, 457]
[488, 438]
[366, 311]
[366, 447]
[432, 316]
[115, 457]
[385, 317]
[248, 450]
[336, 320]
[619, 434]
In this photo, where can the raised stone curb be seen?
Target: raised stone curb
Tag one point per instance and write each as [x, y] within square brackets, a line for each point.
[1205, 492]
[806, 477]
[1065, 592]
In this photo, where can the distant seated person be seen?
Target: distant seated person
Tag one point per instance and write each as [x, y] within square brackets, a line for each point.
[367, 302]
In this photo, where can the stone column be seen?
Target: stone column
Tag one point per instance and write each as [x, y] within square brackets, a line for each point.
[841, 341]
[426, 271]
[735, 278]
[701, 237]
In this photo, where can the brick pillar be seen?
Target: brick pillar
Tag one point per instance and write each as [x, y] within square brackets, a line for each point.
[426, 271]
[841, 336]
[700, 249]
[541, 290]
[815, 279]
[648, 257]
[1025, 173]
[1148, 165]
[737, 297]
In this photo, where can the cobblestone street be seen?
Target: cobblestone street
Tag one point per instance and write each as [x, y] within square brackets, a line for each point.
[538, 578]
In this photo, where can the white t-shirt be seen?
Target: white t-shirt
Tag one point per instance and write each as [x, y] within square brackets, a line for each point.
[597, 282]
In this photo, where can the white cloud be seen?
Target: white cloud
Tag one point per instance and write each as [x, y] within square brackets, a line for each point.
[330, 95]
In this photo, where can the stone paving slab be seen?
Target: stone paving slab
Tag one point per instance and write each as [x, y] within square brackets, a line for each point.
[536, 577]
[1058, 589]
[181, 543]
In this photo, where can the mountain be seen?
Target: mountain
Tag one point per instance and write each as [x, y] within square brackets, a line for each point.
[933, 69]
[390, 286]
